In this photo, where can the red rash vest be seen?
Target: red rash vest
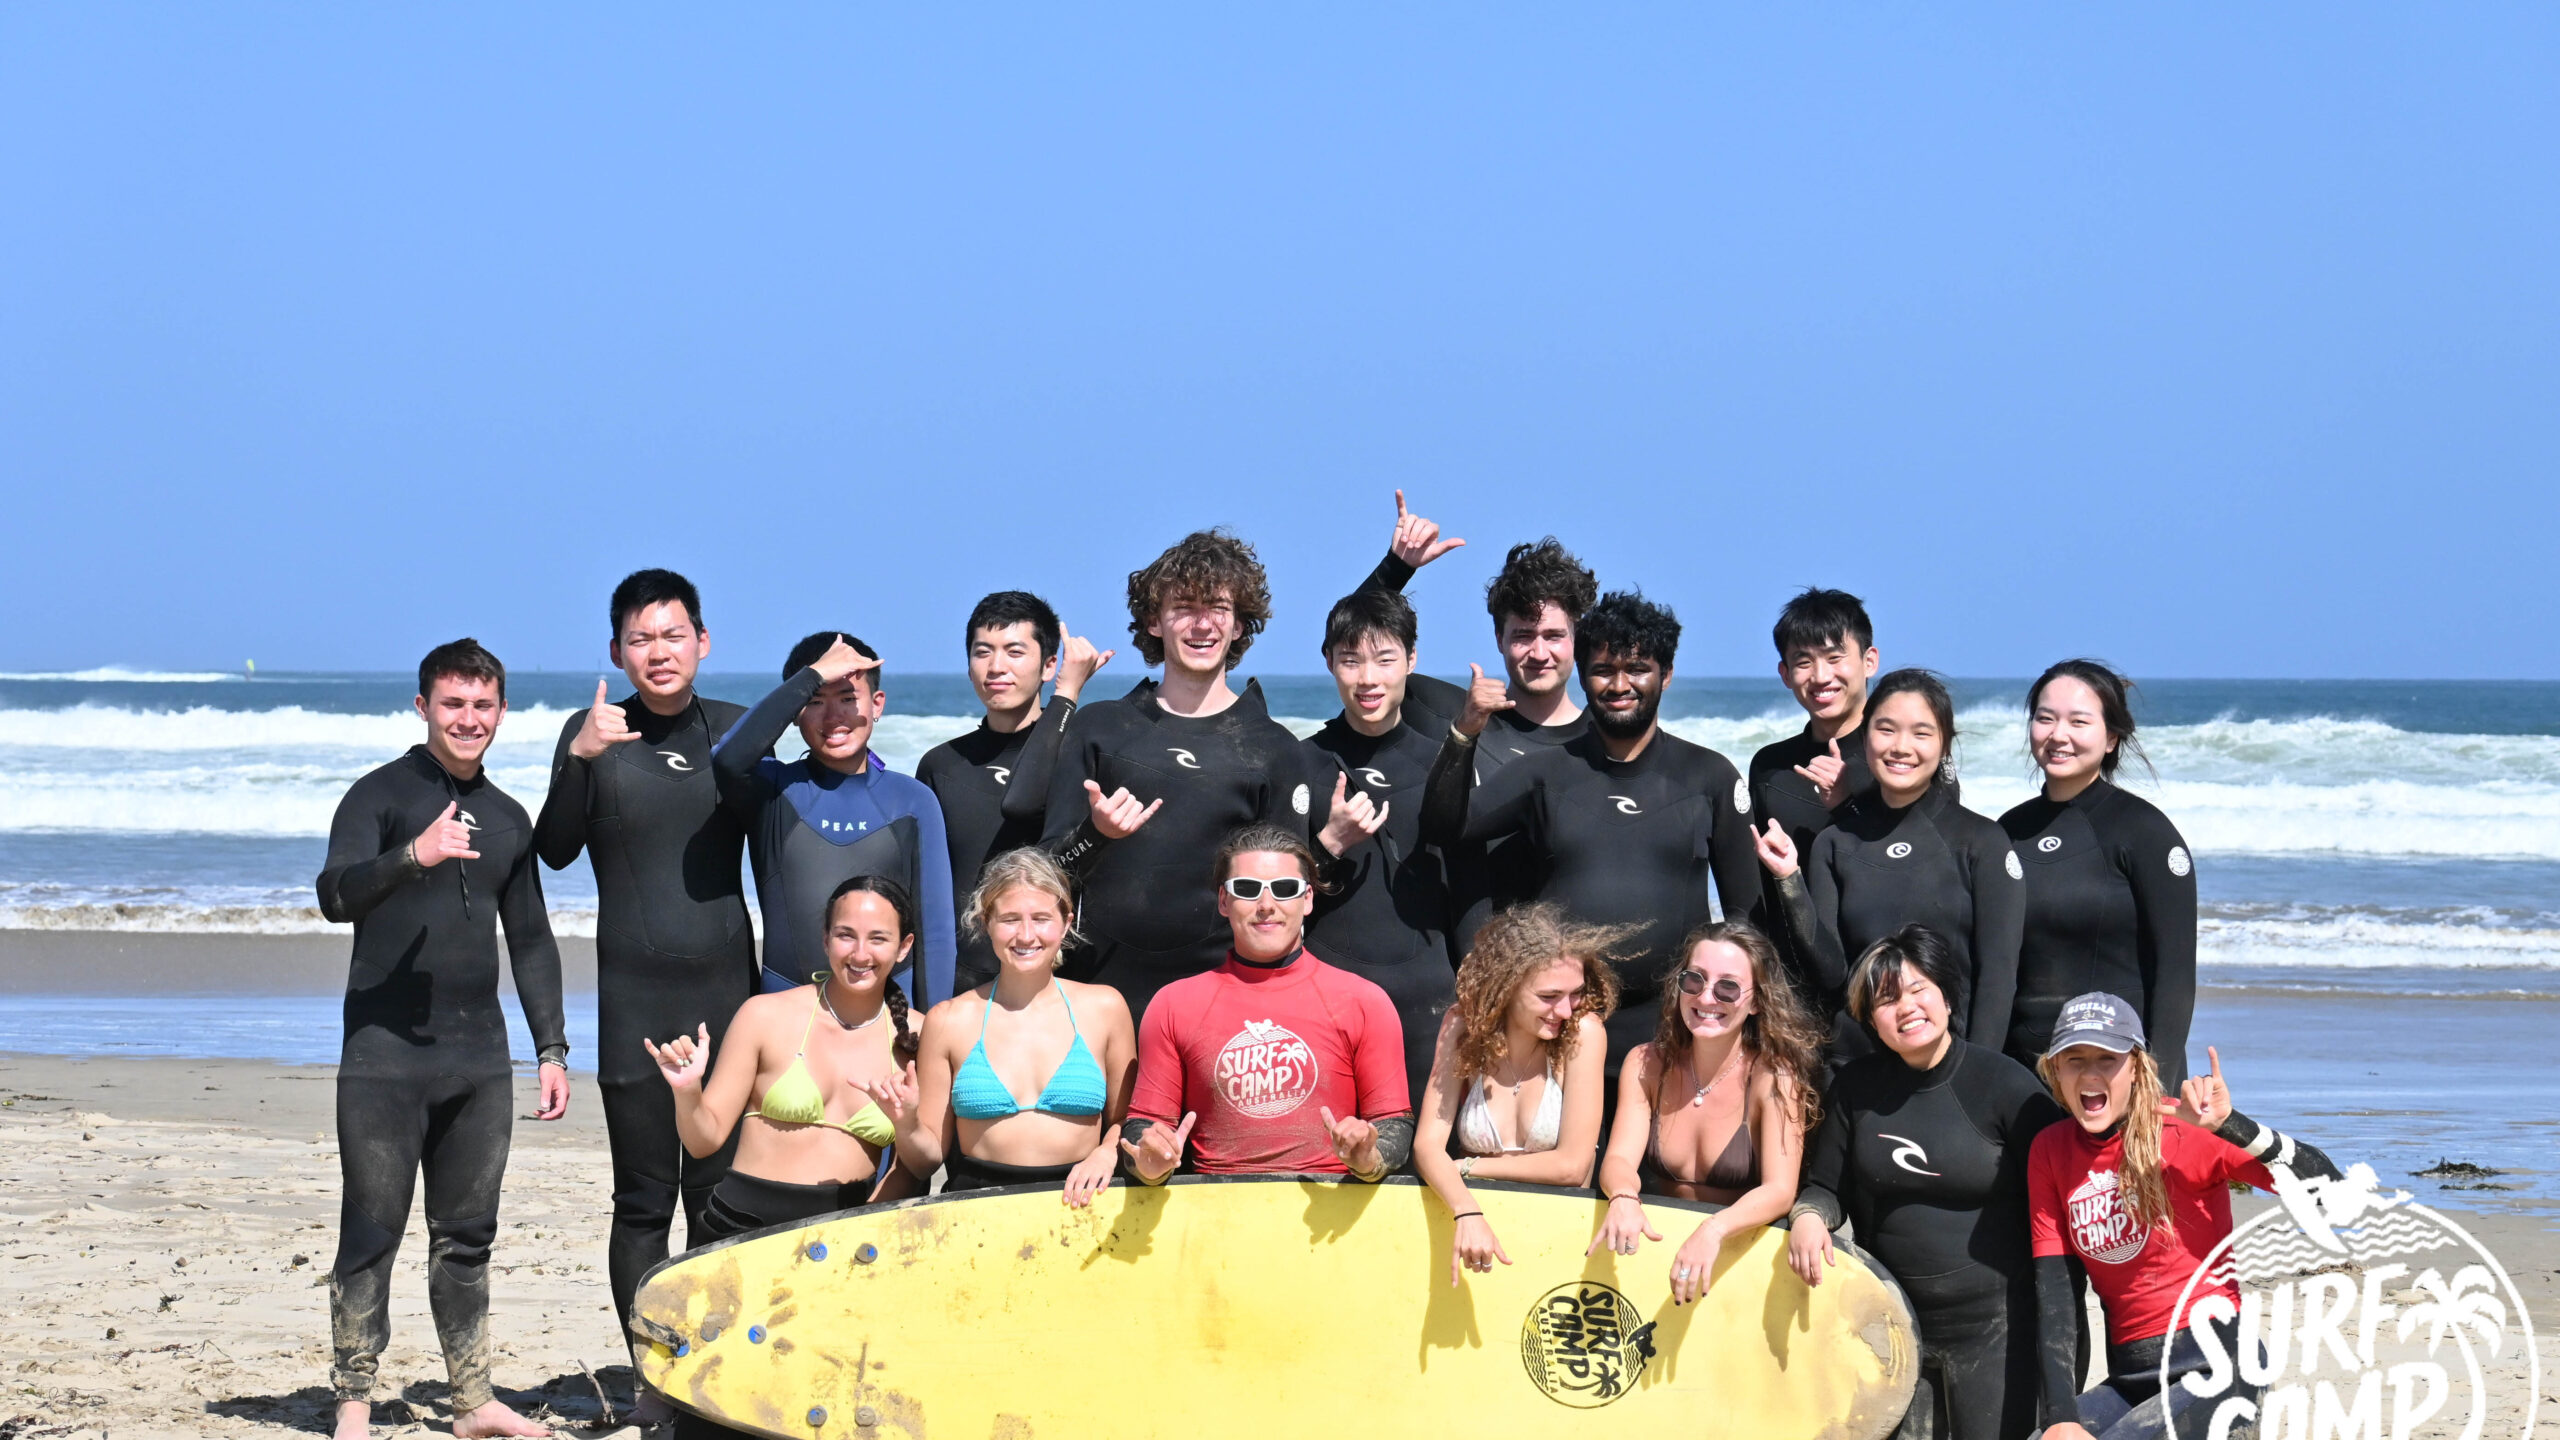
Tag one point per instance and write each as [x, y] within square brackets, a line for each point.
[1255, 1051]
[2073, 1200]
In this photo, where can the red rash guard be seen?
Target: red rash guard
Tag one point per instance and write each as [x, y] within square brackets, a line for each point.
[1254, 1051]
[2072, 1199]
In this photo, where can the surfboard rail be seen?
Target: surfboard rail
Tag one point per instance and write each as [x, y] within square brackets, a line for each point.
[1263, 1305]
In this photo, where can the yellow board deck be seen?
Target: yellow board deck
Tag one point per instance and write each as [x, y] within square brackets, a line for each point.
[1263, 1306]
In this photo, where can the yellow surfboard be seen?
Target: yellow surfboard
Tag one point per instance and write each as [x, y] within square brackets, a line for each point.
[1263, 1306]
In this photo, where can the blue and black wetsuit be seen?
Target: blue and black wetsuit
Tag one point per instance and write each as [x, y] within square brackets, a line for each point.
[810, 829]
[673, 948]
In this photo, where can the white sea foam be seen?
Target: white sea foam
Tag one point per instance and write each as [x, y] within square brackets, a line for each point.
[118, 674]
[131, 919]
[2319, 786]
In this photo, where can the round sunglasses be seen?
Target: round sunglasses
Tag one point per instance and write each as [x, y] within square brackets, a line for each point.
[1725, 991]
[1246, 887]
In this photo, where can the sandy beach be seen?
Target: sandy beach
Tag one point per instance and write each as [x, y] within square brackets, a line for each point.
[169, 1223]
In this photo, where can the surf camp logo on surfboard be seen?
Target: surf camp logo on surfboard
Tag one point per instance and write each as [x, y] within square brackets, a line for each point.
[2360, 1313]
[1584, 1344]
[1266, 1070]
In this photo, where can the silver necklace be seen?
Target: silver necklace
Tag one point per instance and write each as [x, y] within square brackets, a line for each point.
[849, 1029]
[1701, 1097]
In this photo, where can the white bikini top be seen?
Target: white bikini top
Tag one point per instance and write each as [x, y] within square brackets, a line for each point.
[1480, 1134]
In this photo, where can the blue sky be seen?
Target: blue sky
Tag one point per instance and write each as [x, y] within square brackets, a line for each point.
[2216, 340]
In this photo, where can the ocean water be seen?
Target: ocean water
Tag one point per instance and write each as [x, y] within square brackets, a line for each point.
[2337, 826]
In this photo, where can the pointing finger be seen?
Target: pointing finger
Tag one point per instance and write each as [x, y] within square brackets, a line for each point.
[2214, 1056]
[1184, 1132]
[1400, 510]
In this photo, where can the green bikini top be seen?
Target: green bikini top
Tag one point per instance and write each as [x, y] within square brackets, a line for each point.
[794, 1099]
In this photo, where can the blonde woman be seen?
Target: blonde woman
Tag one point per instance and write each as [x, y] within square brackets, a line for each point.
[2138, 1186]
[1023, 1080]
[1518, 1073]
[1716, 1106]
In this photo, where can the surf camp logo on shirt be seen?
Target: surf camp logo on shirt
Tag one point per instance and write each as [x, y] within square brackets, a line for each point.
[2101, 1228]
[1266, 1070]
[2359, 1313]
[1584, 1344]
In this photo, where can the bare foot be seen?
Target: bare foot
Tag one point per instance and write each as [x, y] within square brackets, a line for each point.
[494, 1418]
[650, 1409]
[355, 1420]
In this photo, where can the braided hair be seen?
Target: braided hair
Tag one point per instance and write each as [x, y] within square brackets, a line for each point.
[905, 1047]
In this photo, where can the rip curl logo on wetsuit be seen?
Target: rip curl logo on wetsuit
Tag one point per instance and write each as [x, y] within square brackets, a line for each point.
[2049, 844]
[2016, 870]
[1584, 1344]
[1298, 799]
[1374, 779]
[677, 762]
[1266, 1070]
[1627, 805]
[1899, 849]
[2179, 864]
[1908, 1154]
[1742, 797]
[1003, 774]
[469, 820]
[1183, 758]
[2101, 1228]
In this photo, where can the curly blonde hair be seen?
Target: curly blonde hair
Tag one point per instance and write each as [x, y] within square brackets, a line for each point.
[1028, 868]
[1513, 946]
[1781, 1032]
[2142, 1175]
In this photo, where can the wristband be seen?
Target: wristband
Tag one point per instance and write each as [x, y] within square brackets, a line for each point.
[1630, 1195]
[1468, 1215]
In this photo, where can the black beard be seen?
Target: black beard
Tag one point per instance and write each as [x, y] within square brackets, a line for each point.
[1632, 725]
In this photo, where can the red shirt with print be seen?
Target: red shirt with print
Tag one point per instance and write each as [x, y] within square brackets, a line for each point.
[1254, 1051]
[2073, 1200]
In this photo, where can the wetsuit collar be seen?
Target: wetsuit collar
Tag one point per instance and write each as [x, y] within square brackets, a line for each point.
[1942, 1072]
[1261, 970]
[429, 766]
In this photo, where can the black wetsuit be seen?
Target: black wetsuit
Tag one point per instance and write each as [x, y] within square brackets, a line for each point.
[1930, 1165]
[1388, 918]
[994, 789]
[423, 1079]
[1150, 900]
[2111, 905]
[810, 829]
[1631, 842]
[674, 949]
[1934, 863]
[1779, 793]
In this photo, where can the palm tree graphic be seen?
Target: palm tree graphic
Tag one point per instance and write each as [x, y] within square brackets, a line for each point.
[2469, 1304]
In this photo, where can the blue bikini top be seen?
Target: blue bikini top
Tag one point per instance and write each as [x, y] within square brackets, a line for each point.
[1075, 1088]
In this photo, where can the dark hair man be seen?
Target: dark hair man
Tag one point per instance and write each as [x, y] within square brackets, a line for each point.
[427, 859]
[1391, 904]
[631, 783]
[994, 781]
[819, 821]
[1147, 785]
[1826, 656]
[1628, 822]
[1243, 1052]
